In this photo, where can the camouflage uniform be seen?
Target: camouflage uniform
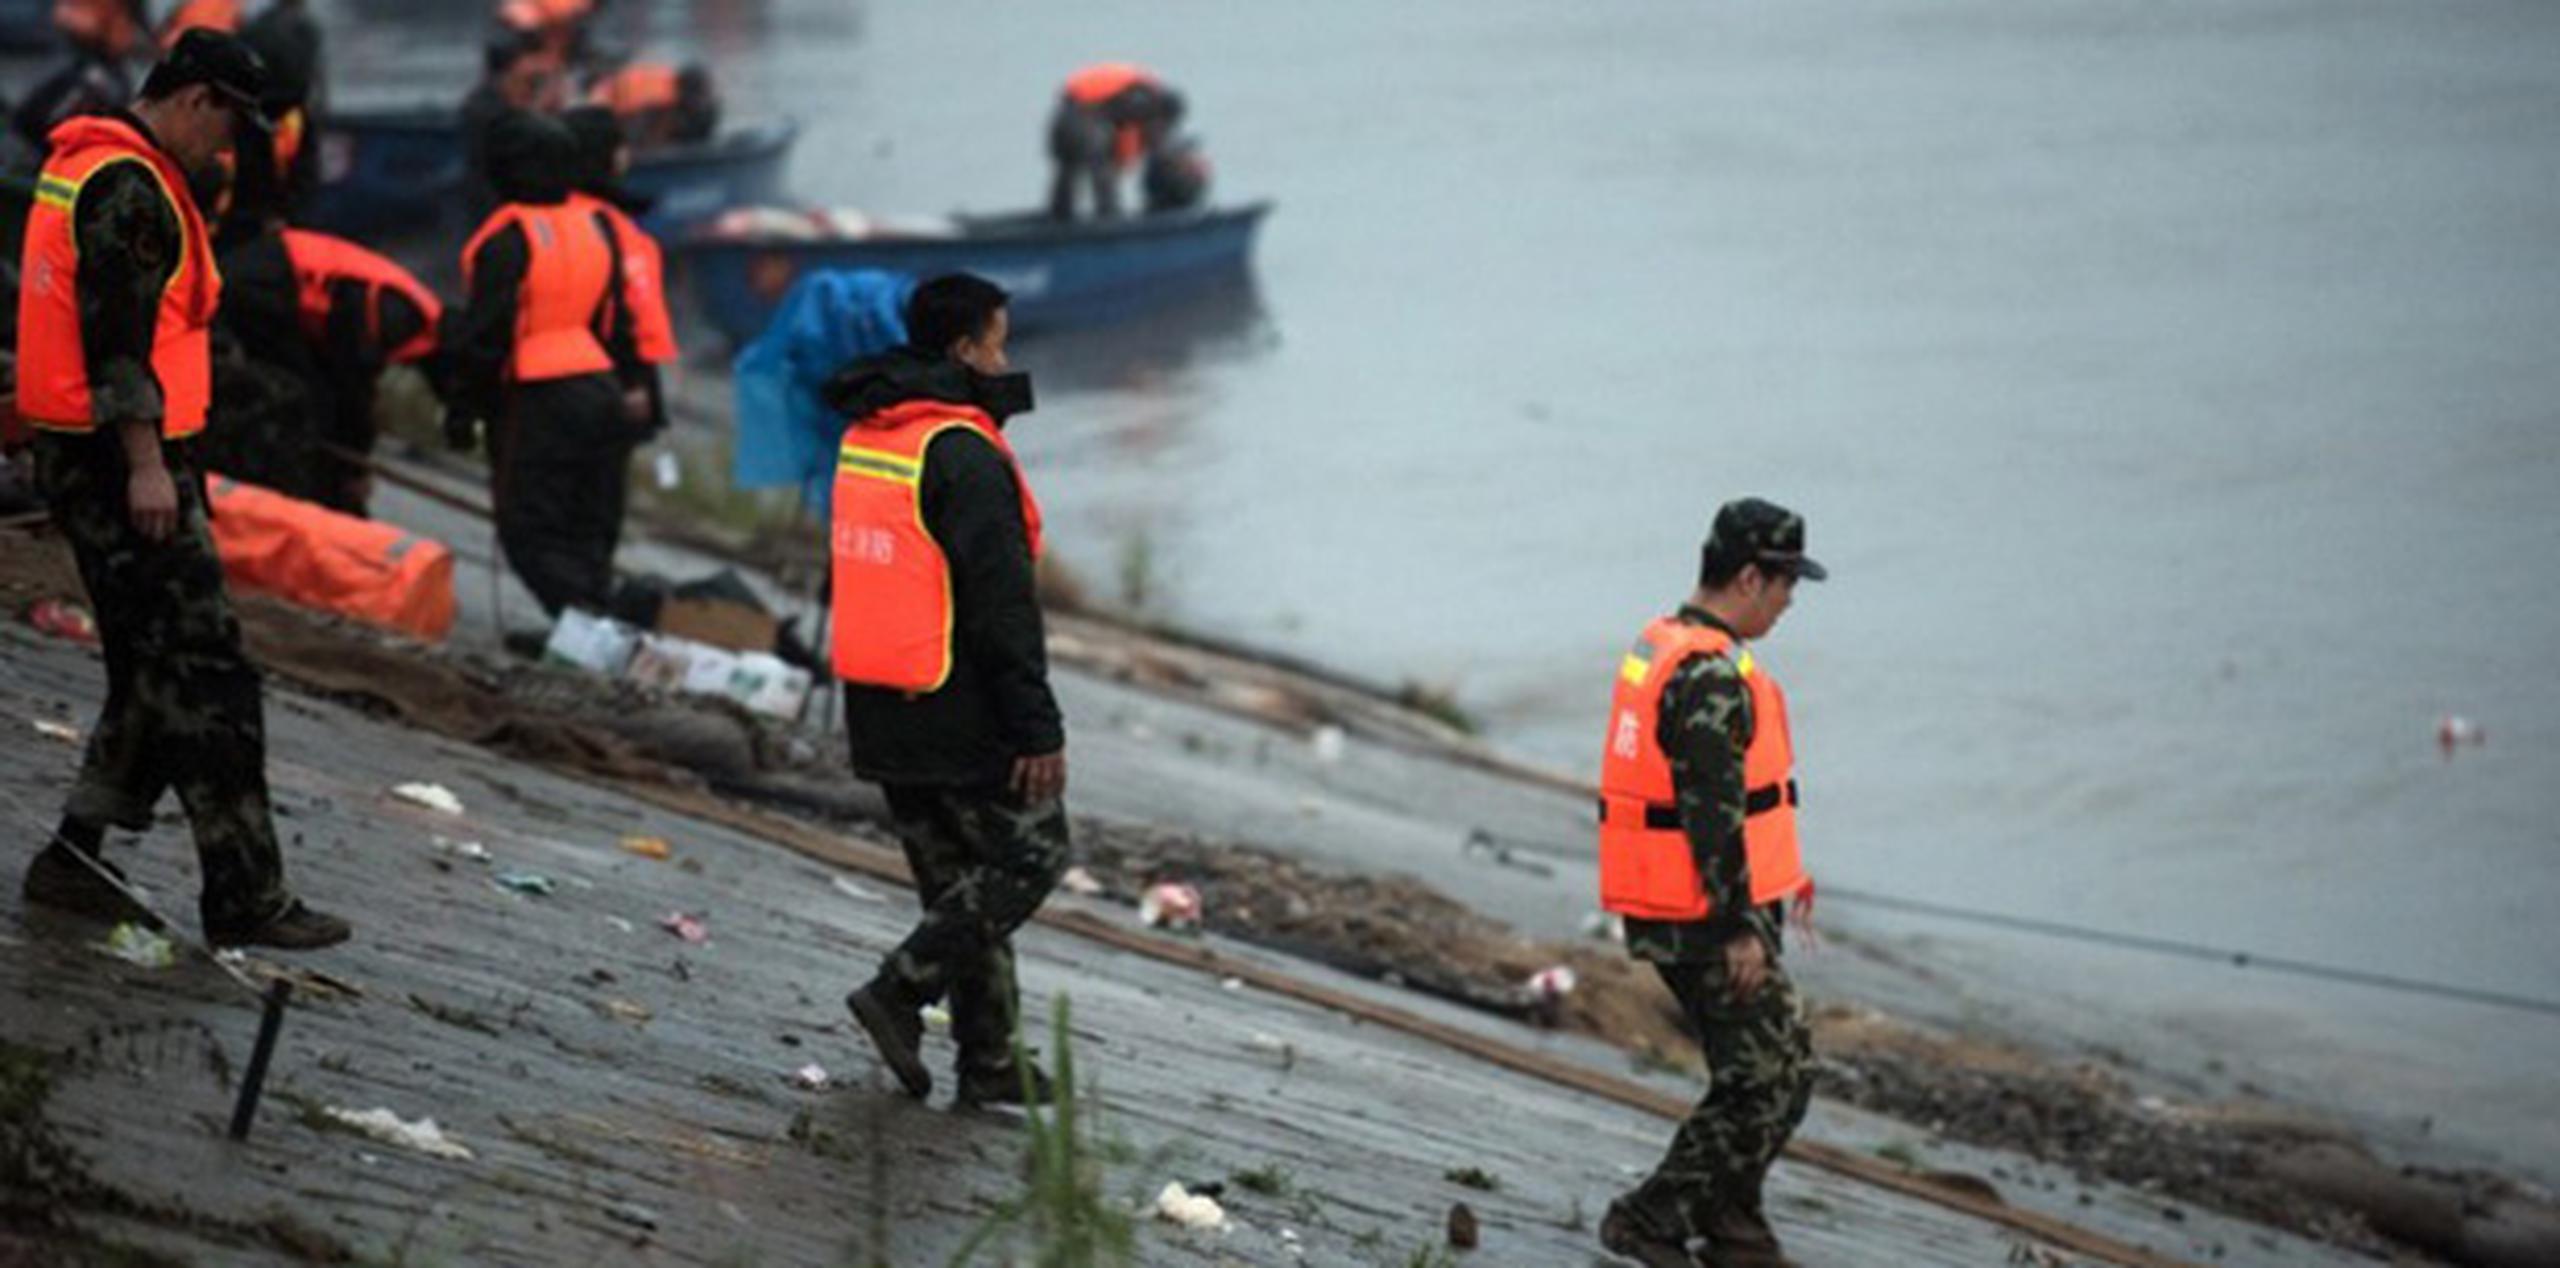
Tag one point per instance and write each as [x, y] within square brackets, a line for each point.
[183, 707]
[1758, 1052]
[983, 864]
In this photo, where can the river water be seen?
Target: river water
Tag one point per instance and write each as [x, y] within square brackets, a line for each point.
[2170, 385]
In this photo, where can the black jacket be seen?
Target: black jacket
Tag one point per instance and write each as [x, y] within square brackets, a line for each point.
[996, 706]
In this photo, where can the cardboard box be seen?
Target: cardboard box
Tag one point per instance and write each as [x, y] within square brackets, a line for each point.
[719, 622]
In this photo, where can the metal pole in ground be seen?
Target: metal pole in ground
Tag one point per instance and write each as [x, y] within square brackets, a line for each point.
[252, 1084]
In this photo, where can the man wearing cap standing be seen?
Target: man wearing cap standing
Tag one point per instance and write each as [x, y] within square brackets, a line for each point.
[1698, 854]
[114, 371]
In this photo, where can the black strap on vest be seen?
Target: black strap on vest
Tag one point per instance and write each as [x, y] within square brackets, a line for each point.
[1758, 801]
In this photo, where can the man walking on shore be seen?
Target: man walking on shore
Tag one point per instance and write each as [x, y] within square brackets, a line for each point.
[115, 372]
[1698, 853]
[938, 638]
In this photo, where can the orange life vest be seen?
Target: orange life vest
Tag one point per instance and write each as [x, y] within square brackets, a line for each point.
[644, 281]
[637, 89]
[321, 260]
[53, 372]
[212, 15]
[293, 127]
[568, 270]
[1103, 81]
[1647, 868]
[892, 603]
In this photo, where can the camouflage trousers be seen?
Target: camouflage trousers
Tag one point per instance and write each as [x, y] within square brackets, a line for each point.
[1759, 1057]
[983, 863]
[183, 708]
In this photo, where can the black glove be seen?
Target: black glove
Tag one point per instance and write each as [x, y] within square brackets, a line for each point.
[461, 430]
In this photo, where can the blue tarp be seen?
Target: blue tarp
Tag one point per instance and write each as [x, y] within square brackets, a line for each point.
[786, 435]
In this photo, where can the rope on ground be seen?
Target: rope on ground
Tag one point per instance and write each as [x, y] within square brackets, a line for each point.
[2193, 951]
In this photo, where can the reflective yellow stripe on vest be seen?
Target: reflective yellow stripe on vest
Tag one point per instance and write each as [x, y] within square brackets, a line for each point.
[57, 193]
[879, 465]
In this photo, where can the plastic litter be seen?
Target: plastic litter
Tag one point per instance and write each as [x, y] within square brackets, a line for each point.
[469, 851]
[1604, 926]
[134, 944]
[598, 644]
[62, 618]
[1076, 880]
[936, 1019]
[689, 928]
[435, 797]
[1551, 983]
[811, 1078]
[624, 1010]
[1329, 744]
[621, 925]
[646, 847]
[52, 730]
[633, 1214]
[2454, 731]
[1170, 905]
[1176, 1205]
[383, 1125]
[853, 890]
[533, 883]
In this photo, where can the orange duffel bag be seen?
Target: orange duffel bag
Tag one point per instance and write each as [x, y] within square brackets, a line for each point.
[308, 554]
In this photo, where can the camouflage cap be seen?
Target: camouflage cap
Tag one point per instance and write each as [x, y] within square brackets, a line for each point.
[1749, 530]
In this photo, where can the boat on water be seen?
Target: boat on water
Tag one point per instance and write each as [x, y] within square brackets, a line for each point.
[1060, 273]
[399, 172]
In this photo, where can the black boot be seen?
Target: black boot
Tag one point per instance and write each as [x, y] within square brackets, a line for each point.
[896, 1030]
[1623, 1236]
[66, 880]
[294, 927]
[1005, 1085]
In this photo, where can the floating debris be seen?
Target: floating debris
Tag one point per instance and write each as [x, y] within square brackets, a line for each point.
[1176, 1205]
[52, 730]
[383, 1125]
[1170, 905]
[689, 928]
[647, 847]
[434, 797]
[134, 944]
[2454, 731]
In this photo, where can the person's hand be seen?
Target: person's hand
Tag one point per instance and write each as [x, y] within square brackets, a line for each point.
[1039, 780]
[461, 431]
[1746, 965]
[151, 498]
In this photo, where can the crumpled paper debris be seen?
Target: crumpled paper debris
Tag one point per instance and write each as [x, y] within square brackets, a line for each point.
[383, 1125]
[1177, 1205]
[433, 796]
[134, 944]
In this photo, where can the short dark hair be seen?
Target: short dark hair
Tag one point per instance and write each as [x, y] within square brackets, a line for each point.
[947, 309]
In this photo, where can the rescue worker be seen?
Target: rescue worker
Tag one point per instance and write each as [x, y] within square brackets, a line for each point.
[659, 104]
[529, 360]
[1109, 116]
[102, 34]
[1698, 855]
[277, 168]
[113, 370]
[641, 334]
[938, 639]
[360, 314]
[516, 74]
